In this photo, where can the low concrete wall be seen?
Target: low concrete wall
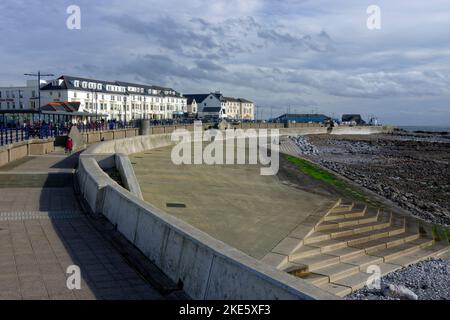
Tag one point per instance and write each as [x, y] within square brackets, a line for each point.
[40, 148]
[92, 137]
[4, 157]
[22, 149]
[207, 267]
[18, 152]
[125, 168]
[107, 135]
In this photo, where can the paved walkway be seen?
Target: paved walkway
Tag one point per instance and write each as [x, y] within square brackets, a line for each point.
[43, 231]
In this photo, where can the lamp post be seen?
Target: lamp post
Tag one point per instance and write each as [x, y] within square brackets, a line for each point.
[39, 75]
[125, 109]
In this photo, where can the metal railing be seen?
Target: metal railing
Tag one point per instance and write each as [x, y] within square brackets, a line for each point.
[14, 134]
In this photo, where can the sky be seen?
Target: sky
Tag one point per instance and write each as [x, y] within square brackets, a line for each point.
[299, 56]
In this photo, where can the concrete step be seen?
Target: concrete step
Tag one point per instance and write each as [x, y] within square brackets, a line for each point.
[336, 257]
[337, 271]
[332, 244]
[305, 251]
[420, 254]
[329, 245]
[363, 261]
[372, 235]
[389, 254]
[315, 279]
[341, 208]
[346, 222]
[316, 261]
[358, 280]
[349, 231]
[354, 281]
[385, 242]
[354, 213]
[346, 252]
[338, 290]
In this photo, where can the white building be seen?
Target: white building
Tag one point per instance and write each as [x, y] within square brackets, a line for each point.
[19, 98]
[218, 106]
[110, 99]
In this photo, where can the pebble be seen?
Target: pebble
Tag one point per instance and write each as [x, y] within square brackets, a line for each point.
[426, 280]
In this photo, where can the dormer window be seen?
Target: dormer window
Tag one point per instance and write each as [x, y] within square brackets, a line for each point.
[76, 84]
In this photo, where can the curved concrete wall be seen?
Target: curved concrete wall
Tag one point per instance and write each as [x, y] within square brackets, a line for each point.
[207, 267]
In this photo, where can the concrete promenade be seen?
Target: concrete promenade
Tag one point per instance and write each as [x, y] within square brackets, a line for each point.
[232, 203]
[43, 231]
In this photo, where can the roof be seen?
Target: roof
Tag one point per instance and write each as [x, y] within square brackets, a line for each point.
[304, 115]
[212, 109]
[199, 98]
[62, 106]
[231, 99]
[68, 84]
[244, 100]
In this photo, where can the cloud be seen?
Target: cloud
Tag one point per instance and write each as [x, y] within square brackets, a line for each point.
[286, 52]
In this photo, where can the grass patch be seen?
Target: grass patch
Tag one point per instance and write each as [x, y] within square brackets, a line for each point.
[316, 172]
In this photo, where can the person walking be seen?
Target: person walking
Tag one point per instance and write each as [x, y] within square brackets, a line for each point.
[69, 145]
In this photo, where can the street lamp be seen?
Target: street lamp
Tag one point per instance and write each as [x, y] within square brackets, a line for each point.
[39, 75]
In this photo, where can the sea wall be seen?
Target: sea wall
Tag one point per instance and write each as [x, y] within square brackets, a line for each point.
[207, 267]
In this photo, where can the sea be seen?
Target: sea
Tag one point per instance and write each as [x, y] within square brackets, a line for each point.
[426, 128]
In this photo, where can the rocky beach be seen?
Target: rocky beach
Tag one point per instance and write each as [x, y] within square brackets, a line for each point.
[410, 169]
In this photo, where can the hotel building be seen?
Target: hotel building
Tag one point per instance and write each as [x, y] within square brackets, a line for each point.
[89, 98]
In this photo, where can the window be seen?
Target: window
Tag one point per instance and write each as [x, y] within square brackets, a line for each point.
[33, 94]
[75, 94]
[76, 84]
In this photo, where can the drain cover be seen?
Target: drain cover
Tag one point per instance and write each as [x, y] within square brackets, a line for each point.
[175, 205]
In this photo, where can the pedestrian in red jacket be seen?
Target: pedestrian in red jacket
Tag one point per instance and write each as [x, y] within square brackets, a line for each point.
[69, 145]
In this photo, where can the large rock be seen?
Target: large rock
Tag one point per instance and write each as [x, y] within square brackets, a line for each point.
[398, 291]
